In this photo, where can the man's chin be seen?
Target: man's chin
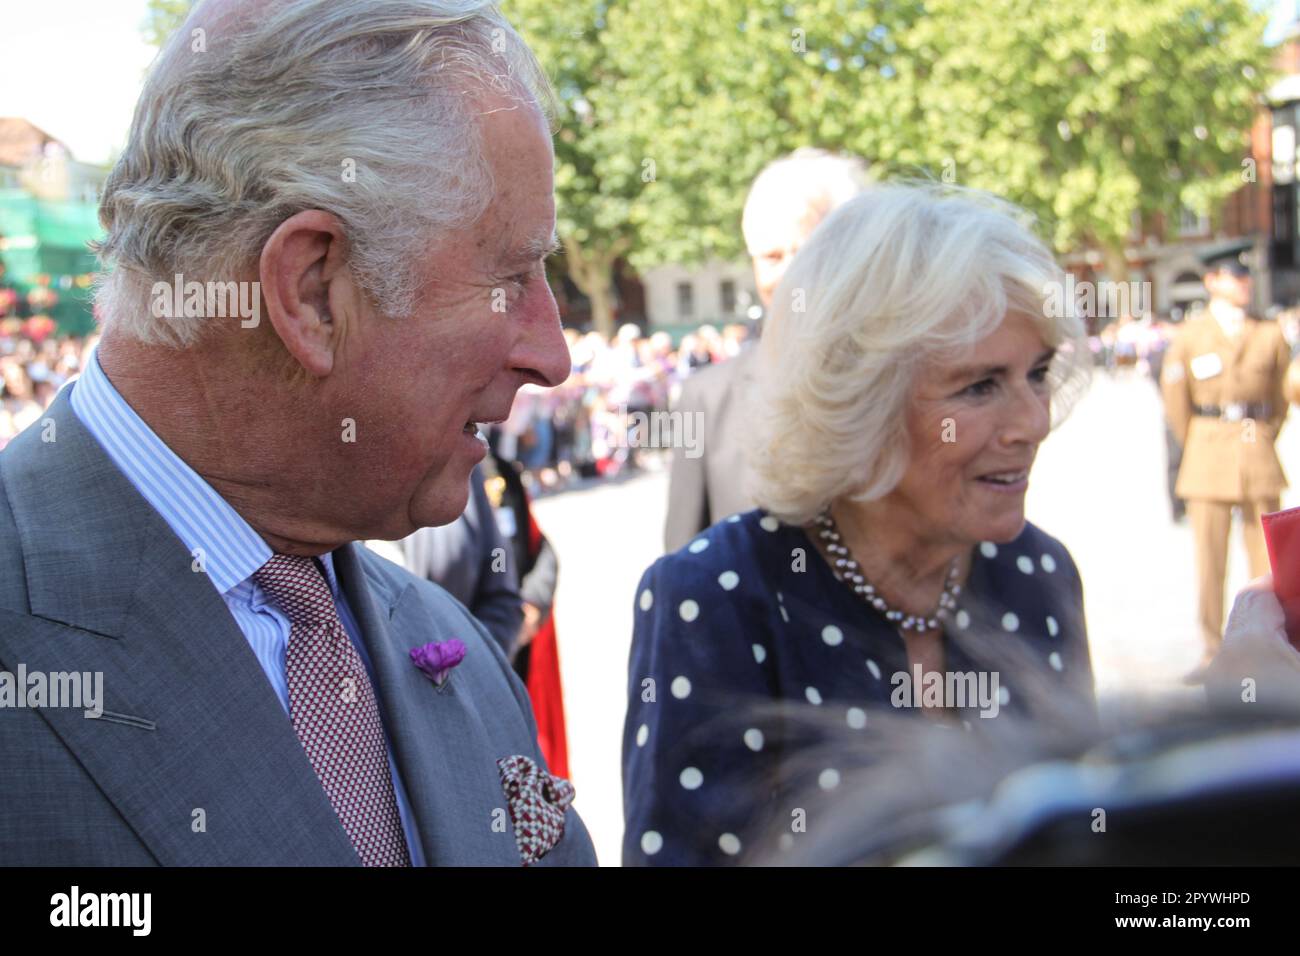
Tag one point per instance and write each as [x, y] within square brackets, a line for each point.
[441, 504]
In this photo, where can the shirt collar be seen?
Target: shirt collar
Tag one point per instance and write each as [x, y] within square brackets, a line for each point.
[229, 549]
[1230, 317]
[257, 598]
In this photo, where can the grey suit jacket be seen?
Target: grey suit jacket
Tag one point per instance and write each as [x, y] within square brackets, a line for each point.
[194, 762]
[460, 557]
[704, 490]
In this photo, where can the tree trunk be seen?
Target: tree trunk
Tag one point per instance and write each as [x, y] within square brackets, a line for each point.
[1116, 262]
[592, 271]
[602, 307]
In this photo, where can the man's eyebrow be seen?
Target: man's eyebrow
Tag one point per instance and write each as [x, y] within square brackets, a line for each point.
[975, 372]
[537, 248]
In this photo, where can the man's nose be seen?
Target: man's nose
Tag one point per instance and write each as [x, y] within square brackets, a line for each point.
[541, 352]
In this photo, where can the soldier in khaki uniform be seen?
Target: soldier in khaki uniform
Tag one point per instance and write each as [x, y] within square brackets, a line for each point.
[1222, 384]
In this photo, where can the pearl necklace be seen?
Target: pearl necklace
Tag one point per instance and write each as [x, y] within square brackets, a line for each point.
[847, 570]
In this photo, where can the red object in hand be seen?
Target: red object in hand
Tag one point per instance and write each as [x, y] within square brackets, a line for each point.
[1282, 534]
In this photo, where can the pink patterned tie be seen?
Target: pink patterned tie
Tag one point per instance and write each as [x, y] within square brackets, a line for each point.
[335, 712]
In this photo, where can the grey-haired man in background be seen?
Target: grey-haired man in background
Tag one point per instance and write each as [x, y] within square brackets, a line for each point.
[786, 202]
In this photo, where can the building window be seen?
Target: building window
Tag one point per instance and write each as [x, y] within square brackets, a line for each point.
[685, 300]
[1135, 226]
[1191, 223]
[1284, 226]
[728, 291]
[1284, 146]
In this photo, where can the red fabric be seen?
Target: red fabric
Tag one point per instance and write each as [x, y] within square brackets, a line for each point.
[534, 532]
[548, 697]
[1282, 535]
[544, 688]
[38, 328]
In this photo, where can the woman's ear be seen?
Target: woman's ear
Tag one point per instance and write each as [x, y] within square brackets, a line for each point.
[301, 258]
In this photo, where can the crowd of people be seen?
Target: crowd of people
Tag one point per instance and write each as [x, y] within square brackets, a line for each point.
[32, 369]
[582, 429]
[1140, 342]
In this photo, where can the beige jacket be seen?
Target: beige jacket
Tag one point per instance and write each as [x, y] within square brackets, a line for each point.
[1229, 457]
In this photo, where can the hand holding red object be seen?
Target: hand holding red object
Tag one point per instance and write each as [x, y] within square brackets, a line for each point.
[1282, 534]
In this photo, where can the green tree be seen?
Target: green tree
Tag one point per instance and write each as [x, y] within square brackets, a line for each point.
[596, 183]
[1086, 113]
[162, 17]
[670, 107]
[1089, 114]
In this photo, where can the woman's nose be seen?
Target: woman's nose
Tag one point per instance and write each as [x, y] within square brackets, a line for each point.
[1030, 418]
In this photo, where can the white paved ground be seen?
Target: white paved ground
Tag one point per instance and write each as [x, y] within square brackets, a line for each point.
[1098, 486]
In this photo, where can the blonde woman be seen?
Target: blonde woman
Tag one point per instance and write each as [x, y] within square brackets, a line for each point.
[906, 378]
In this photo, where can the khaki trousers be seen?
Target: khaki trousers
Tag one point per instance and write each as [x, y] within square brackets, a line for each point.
[1211, 522]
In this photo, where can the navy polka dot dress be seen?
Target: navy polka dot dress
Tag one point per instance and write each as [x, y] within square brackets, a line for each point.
[749, 618]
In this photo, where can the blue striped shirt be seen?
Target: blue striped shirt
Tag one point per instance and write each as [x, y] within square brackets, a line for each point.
[214, 533]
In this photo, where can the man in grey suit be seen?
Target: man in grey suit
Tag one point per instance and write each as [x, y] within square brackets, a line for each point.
[786, 202]
[369, 182]
[471, 561]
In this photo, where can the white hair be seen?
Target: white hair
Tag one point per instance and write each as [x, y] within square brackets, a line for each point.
[897, 276]
[809, 182]
[361, 108]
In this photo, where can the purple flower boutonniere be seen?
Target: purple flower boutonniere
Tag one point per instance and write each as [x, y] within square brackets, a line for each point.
[437, 658]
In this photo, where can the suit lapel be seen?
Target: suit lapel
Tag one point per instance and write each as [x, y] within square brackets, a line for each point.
[442, 748]
[1234, 348]
[221, 777]
[1243, 339]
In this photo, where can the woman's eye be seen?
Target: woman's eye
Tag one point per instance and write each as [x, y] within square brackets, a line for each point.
[980, 388]
[1039, 375]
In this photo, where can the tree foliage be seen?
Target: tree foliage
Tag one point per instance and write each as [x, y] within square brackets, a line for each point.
[1085, 113]
[162, 17]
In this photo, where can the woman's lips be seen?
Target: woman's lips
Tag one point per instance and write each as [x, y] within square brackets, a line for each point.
[1006, 481]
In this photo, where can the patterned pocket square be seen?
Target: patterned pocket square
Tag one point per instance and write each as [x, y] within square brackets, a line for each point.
[537, 802]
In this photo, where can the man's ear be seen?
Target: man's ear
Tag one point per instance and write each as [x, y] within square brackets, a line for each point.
[299, 261]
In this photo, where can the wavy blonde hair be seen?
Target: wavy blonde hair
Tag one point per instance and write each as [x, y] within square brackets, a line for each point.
[898, 276]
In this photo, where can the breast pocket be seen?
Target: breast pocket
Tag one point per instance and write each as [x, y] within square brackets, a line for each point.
[1255, 383]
